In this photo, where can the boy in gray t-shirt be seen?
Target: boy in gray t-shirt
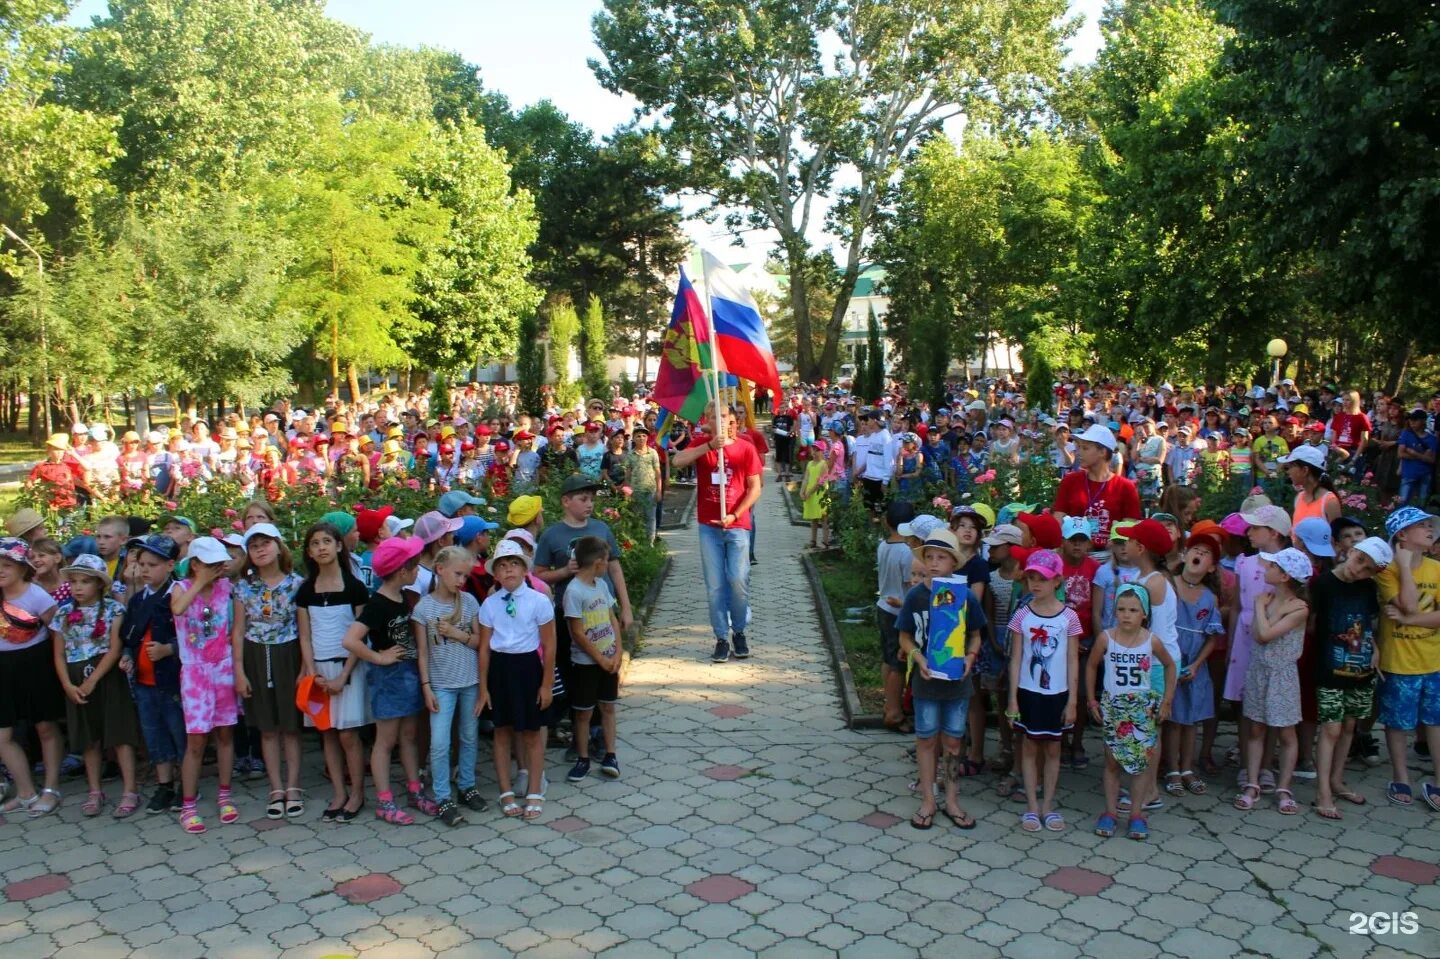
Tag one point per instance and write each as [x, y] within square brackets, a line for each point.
[594, 654]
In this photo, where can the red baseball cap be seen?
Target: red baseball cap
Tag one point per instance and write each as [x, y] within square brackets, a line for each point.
[369, 521]
[1043, 527]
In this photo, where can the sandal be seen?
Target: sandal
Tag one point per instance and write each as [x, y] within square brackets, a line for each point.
[1327, 812]
[1399, 794]
[1030, 822]
[1353, 798]
[1139, 829]
[19, 803]
[192, 823]
[393, 814]
[509, 807]
[969, 767]
[922, 820]
[1173, 784]
[44, 803]
[1194, 783]
[227, 811]
[1285, 802]
[94, 802]
[1245, 801]
[962, 821]
[1054, 822]
[533, 807]
[275, 809]
[1267, 782]
[129, 804]
[294, 808]
[1431, 793]
[1105, 825]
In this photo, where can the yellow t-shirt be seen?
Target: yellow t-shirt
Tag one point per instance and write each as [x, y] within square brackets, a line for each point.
[1410, 650]
[1269, 449]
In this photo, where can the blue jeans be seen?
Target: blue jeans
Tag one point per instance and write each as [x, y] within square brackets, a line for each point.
[162, 722]
[725, 561]
[1415, 492]
[454, 704]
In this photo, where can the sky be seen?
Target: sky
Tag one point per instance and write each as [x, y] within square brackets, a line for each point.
[537, 50]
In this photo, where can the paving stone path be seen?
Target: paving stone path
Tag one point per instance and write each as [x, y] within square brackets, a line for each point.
[749, 821]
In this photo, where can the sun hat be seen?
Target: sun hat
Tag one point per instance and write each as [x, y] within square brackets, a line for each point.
[1099, 435]
[433, 525]
[1270, 516]
[1208, 527]
[369, 521]
[157, 544]
[921, 526]
[1075, 526]
[17, 551]
[23, 521]
[975, 511]
[1295, 563]
[394, 553]
[1005, 534]
[208, 549]
[1045, 562]
[578, 483]
[941, 539]
[88, 564]
[1315, 534]
[313, 701]
[58, 441]
[1377, 549]
[1309, 455]
[523, 510]
[508, 549]
[1404, 518]
[1149, 533]
[471, 527]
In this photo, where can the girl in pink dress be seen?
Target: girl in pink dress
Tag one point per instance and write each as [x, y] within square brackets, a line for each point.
[204, 617]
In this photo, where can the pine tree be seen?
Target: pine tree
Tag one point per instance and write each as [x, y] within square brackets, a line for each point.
[530, 366]
[875, 370]
[592, 350]
[564, 326]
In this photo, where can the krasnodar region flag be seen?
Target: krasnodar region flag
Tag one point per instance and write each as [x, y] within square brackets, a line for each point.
[684, 356]
[739, 330]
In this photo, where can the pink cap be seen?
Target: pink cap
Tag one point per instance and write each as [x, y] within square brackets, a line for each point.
[434, 525]
[1234, 524]
[1045, 562]
[394, 553]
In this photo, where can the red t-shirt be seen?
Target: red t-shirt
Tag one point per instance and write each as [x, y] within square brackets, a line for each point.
[1115, 499]
[741, 463]
[1347, 428]
[1077, 582]
[757, 440]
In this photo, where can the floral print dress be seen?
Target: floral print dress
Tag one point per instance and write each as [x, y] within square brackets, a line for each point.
[1128, 703]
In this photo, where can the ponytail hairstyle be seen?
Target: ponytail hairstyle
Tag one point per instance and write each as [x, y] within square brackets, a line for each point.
[448, 555]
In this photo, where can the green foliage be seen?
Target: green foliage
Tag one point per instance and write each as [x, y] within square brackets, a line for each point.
[774, 104]
[440, 396]
[564, 328]
[592, 349]
[875, 358]
[530, 366]
[862, 372]
[1039, 382]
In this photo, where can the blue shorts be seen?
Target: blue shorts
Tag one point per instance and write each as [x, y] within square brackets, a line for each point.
[162, 722]
[394, 690]
[1410, 701]
[936, 715]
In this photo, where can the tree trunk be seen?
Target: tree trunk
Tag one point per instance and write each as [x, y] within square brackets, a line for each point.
[800, 306]
[831, 349]
[642, 358]
[1399, 366]
[353, 375]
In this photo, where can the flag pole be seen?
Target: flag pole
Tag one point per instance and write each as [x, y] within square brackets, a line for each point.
[715, 383]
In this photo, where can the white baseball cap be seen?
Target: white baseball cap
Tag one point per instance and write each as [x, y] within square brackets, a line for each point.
[1310, 455]
[207, 549]
[1099, 435]
[1377, 549]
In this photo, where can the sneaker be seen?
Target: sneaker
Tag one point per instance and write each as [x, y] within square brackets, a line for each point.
[1308, 774]
[162, 801]
[257, 768]
[240, 767]
[742, 647]
[610, 767]
[422, 802]
[579, 772]
[447, 812]
[1370, 751]
[722, 652]
[471, 799]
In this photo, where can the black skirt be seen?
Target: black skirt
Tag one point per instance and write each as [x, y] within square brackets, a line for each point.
[273, 672]
[514, 687]
[1042, 715]
[109, 717]
[30, 689]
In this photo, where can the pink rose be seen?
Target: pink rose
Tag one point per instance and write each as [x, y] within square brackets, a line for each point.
[1257, 491]
[171, 504]
[413, 484]
[217, 532]
[626, 490]
[230, 513]
[238, 526]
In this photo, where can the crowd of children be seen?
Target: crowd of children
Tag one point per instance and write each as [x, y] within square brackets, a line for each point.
[173, 647]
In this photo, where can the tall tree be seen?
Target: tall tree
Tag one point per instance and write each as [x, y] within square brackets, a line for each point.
[592, 349]
[772, 123]
[530, 366]
[564, 328]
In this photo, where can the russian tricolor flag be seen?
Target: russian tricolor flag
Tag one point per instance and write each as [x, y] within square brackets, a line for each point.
[739, 331]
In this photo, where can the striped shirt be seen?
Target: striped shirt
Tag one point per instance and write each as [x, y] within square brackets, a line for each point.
[451, 664]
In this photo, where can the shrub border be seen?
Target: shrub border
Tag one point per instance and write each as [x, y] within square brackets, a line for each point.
[839, 661]
[635, 634]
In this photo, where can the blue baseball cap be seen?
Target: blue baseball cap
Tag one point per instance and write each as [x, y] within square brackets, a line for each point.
[158, 544]
[1404, 518]
[1315, 534]
[471, 527]
[456, 500]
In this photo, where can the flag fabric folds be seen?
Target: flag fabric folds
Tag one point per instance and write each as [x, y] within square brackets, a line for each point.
[740, 335]
[684, 356]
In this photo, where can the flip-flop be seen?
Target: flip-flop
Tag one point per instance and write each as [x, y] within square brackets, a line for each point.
[922, 820]
[1351, 797]
[966, 821]
[1327, 812]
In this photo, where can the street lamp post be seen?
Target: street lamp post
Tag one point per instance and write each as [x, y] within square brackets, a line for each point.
[40, 316]
[1276, 349]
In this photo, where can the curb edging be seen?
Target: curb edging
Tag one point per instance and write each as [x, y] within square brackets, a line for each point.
[839, 661]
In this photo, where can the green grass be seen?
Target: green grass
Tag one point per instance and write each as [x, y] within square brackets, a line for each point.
[849, 584]
[7, 500]
[16, 448]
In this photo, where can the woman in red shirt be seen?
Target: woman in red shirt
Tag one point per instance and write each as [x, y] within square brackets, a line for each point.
[1350, 431]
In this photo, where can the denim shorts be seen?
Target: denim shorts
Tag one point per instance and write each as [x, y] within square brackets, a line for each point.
[395, 690]
[941, 715]
[1410, 701]
[162, 722]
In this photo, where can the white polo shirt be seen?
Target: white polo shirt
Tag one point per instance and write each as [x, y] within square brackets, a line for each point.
[519, 633]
